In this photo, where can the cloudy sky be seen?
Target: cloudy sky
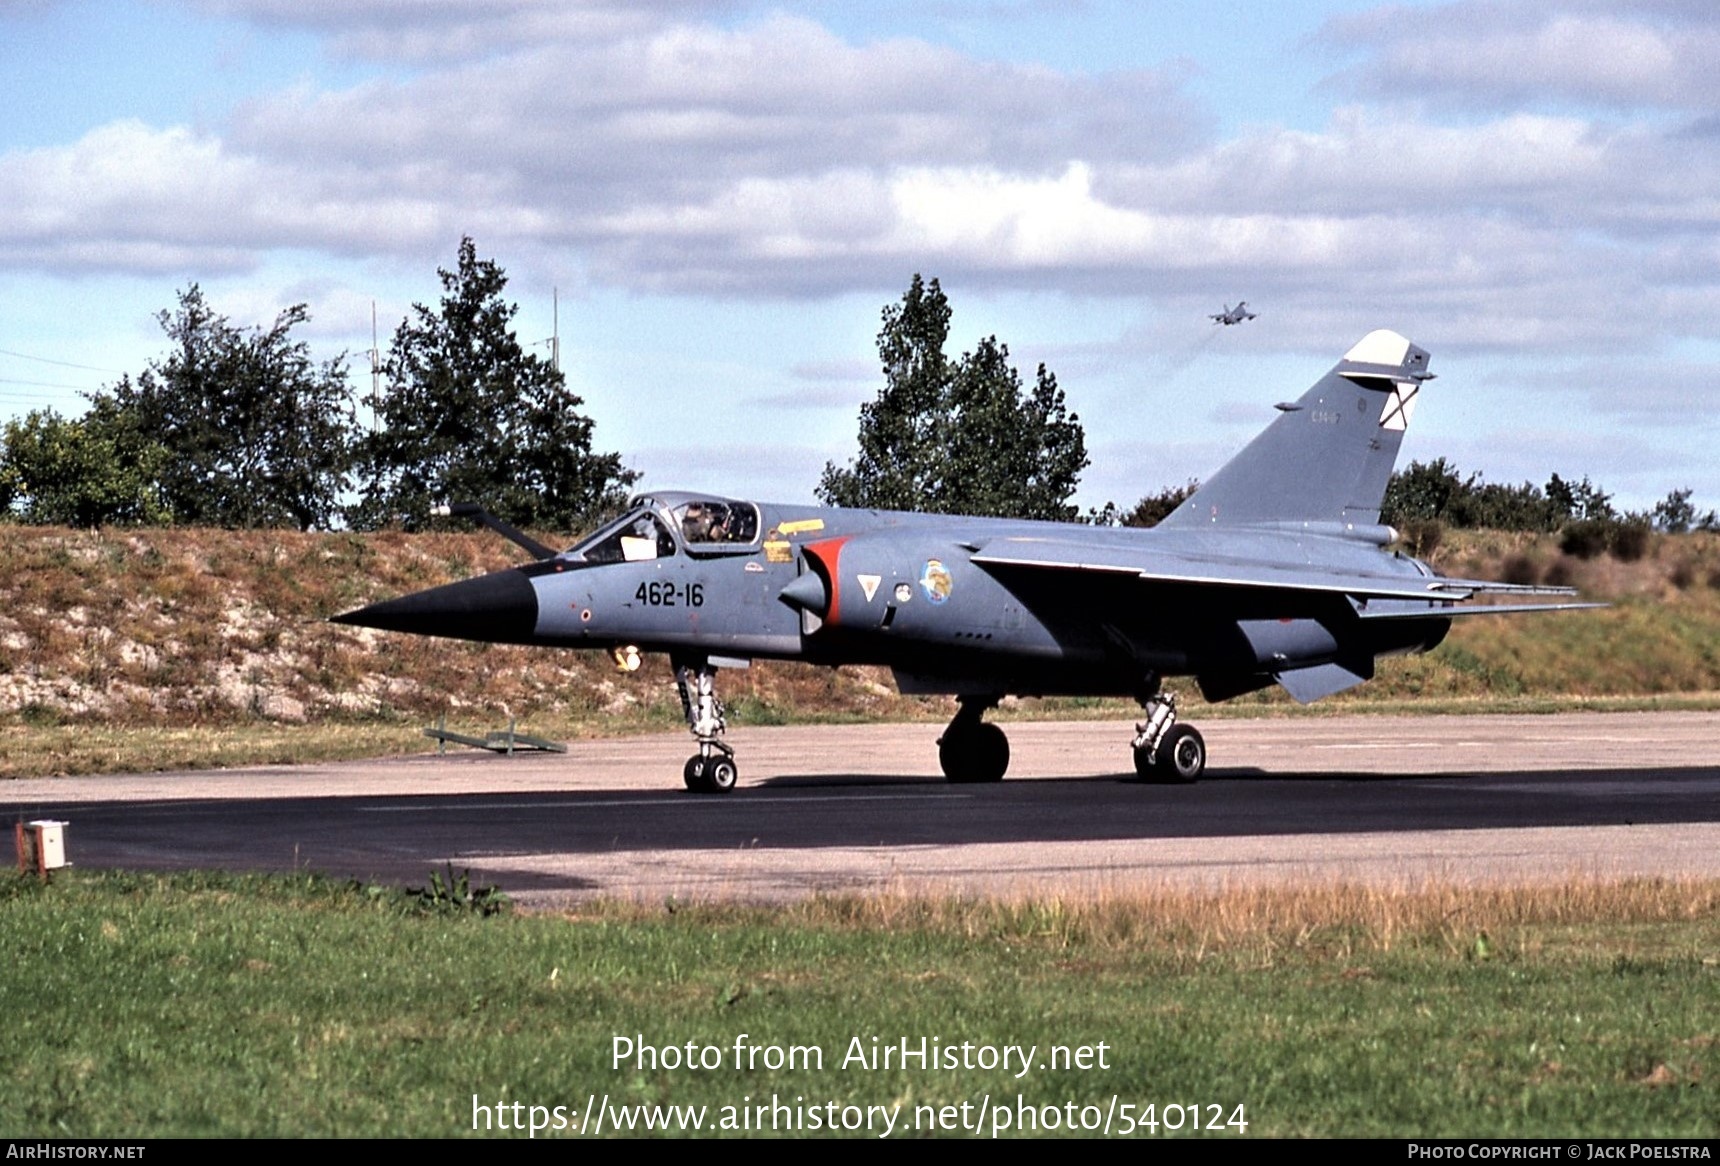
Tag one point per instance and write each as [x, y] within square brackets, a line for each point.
[724, 195]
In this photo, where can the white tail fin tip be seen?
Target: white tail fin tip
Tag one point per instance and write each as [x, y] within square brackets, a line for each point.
[1381, 346]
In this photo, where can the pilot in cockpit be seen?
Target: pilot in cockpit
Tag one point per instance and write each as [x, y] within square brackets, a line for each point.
[696, 523]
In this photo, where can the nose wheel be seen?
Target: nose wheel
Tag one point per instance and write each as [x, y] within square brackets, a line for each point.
[715, 774]
[712, 769]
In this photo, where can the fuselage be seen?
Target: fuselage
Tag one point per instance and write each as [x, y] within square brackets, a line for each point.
[1274, 571]
[726, 580]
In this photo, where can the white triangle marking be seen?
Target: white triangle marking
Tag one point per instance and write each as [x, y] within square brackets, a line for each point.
[869, 584]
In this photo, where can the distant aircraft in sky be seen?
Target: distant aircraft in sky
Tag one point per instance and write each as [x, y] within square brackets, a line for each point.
[1232, 315]
[1275, 571]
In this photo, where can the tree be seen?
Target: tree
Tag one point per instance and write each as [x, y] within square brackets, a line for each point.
[1155, 508]
[1580, 500]
[96, 470]
[961, 437]
[1676, 514]
[898, 467]
[1423, 492]
[1437, 491]
[470, 416]
[256, 433]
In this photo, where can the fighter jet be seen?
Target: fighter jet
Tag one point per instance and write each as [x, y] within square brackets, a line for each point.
[1232, 315]
[1276, 571]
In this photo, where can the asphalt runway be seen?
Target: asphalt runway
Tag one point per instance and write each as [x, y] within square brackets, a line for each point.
[1399, 801]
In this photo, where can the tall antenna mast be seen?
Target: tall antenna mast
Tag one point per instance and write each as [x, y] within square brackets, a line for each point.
[375, 370]
[555, 328]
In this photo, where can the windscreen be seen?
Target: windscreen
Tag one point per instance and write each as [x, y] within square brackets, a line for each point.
[635, 538]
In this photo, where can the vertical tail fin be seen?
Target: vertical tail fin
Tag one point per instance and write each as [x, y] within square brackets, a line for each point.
[1328, 457]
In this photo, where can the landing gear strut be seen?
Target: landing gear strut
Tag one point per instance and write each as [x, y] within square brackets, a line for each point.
[1166, 751]
[712, 769]
[971, 750]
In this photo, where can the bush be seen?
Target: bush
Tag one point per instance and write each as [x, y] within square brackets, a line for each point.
[1626, 539]
[1630, 540]
[1155, 508]
[1421, 536]
[1520, 569]
[1585, 538]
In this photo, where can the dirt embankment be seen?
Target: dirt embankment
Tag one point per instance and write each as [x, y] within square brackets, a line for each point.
[194, 627]
[197, 627]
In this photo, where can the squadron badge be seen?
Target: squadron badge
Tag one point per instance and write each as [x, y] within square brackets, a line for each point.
[935, 581]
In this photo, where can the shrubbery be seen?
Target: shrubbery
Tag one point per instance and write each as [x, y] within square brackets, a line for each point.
[1428, 498]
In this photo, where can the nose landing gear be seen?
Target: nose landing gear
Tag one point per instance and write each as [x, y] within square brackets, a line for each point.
[712, 769]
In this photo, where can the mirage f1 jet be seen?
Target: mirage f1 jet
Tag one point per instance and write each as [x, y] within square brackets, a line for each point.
[1276, 571]
[1232, 315]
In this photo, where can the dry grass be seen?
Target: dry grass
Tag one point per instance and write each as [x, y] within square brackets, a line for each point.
[67, 750]
[1265, 921]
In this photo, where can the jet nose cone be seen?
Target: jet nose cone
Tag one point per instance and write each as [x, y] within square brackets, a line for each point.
[498, 608]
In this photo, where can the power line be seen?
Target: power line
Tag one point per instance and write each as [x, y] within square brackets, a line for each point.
[13, 407]
[61, 363]
[43, 384]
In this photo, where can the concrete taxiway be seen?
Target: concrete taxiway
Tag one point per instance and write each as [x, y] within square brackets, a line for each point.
[1377, 800]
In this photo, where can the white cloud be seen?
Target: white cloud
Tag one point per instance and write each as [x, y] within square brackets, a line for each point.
[1610, 54]
[686, 106]
[126, 197]
[776, 159]
[430, 31]
[1659, 395]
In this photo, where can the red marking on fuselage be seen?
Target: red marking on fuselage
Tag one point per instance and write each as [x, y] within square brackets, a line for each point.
[826, 554]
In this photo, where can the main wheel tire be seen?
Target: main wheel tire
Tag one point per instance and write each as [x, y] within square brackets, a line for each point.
[694, 774]
[1181, 755]
[1144, 763]
[721, 774]
[975, 754]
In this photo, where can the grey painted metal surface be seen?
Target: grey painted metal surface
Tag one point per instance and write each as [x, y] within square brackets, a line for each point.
[1274, 571]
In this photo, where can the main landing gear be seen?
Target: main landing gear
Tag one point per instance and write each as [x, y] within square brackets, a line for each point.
[971, 750]
[1166, 751]
[712, 769]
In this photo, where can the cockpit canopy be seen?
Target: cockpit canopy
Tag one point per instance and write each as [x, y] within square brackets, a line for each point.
[650, 528]
[716, 521]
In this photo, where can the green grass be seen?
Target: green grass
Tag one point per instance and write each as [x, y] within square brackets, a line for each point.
[226, 1005]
